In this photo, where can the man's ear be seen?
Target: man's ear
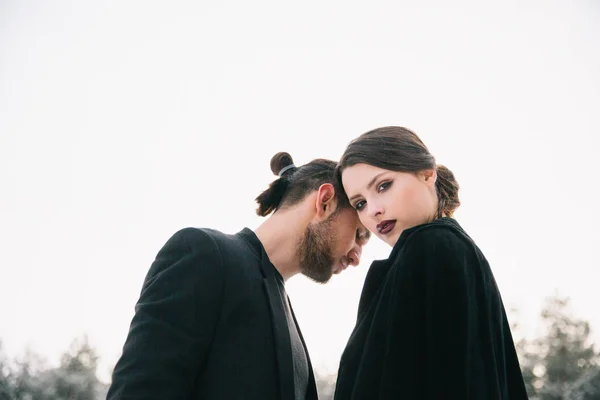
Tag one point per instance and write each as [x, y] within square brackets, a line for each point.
[429, 176]
[325, 202]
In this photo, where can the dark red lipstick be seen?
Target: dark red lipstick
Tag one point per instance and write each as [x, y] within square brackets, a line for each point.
[386, 226]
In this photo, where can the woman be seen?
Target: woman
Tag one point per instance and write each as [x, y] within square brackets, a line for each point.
[431, 323]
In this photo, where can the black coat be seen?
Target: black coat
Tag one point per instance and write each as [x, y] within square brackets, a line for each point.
[209, 324]
[431, 325]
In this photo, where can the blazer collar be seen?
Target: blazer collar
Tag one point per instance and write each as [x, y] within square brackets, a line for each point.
[281, 333]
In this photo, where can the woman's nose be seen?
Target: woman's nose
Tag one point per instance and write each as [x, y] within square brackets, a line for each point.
[376, 210]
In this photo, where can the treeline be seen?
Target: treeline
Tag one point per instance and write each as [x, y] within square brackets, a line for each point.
[561, 364]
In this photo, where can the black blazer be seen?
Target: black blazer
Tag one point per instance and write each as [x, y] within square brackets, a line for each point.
[431, 325]
[209, 324]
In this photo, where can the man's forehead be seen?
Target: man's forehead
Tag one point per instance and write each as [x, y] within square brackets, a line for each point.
[350, 216]
[349, 212]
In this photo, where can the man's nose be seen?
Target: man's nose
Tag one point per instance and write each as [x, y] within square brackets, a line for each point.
[354, 255]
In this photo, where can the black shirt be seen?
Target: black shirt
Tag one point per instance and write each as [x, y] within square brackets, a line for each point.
[298, 353]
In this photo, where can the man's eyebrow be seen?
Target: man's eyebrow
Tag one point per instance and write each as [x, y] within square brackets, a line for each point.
[369, 185]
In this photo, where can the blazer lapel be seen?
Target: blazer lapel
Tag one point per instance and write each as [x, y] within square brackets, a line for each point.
[281, 335]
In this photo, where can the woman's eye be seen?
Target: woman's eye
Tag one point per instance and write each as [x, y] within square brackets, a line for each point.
[359, 205]
[383, 186]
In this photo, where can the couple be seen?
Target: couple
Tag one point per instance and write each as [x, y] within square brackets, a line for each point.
[213, 320]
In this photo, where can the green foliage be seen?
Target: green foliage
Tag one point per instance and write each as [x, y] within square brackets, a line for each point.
[587, 387]
[553, 363]
[74, 379]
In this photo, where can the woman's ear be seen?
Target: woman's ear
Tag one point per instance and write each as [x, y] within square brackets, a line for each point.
[429, 176]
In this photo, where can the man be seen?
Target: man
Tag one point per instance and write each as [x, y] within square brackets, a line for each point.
[213, 320]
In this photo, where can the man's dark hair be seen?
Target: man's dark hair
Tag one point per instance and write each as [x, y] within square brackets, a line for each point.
[295, 183]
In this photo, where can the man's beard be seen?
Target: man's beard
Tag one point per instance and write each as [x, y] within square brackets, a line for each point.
[315, 251]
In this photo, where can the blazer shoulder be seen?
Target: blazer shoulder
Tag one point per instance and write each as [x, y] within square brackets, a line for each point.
[190, 244]
[437, 236]
[193, 239]
[198, 233]
[211, 242]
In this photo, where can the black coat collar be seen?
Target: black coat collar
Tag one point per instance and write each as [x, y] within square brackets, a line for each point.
[281, 333]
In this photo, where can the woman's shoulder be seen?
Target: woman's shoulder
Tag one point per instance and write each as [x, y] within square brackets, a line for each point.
[443, 231]
[439, 247]
[442, 237]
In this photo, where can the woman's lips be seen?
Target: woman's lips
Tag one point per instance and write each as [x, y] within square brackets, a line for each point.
[386, 226]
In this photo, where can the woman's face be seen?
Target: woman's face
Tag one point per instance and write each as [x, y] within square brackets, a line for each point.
[388, 202]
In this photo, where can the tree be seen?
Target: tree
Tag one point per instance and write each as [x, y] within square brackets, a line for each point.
[5, 376]
[553, 363]
[29, 380]
[325, 385]
[74, 379]
[585, 388]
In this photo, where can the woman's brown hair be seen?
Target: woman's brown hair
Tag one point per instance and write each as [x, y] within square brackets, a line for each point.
[399, 149]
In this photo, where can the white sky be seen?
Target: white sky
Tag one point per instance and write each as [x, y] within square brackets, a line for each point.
[122, 122]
